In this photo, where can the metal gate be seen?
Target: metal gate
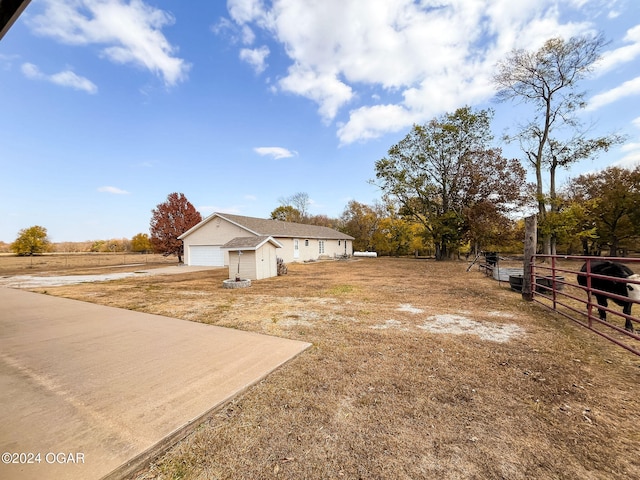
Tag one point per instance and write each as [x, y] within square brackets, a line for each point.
[555, 280]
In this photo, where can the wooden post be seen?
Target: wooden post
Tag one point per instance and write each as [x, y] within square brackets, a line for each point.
[530, 246]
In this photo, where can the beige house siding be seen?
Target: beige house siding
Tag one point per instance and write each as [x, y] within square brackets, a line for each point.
[247, 265]
[335, 248]
[217, 230]
[266, 265]
[254, 264]
[309, 249]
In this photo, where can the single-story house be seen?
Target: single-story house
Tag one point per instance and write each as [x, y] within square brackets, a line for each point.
[203, 243]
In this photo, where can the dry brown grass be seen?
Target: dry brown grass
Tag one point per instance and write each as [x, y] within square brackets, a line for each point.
[79, 263]
[380, 396]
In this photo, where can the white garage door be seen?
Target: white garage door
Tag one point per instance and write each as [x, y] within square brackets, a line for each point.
[206, 255]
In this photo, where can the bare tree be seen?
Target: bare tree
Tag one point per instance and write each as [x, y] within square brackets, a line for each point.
[300, 201]
[554, 137]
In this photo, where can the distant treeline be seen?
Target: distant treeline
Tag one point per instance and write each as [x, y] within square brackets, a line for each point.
[138, 244]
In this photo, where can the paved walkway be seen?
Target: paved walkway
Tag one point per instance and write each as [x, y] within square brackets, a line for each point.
[95, 387]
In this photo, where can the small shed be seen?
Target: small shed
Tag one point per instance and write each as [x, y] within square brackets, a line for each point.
[252, 258]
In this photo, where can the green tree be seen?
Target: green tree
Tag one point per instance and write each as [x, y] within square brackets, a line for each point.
[488, 228]
[286, 213]
[394, 236]
[31, 241]
[322, 220]
[442, 169]
[141, 243]
[361, 222]
[611, 199]
[554, 136]
[170, 220]
[99, 246]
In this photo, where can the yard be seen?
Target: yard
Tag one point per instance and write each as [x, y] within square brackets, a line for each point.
[418, 370]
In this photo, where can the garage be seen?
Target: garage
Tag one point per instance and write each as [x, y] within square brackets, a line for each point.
[206, 256]
[313, 241]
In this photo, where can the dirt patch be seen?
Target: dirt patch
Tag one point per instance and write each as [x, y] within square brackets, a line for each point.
[33, 281]
[456, 324]
[460, 325]
[418, 370]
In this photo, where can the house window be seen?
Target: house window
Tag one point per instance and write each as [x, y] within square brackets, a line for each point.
[339, 243]
[306, 243]
[321, 246]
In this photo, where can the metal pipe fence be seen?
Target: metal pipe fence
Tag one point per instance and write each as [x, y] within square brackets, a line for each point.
[555, 280]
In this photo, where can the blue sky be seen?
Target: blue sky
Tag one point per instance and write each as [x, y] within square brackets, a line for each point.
[107, 106]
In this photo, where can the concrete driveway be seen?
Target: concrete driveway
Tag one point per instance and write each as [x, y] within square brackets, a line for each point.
[88, 391]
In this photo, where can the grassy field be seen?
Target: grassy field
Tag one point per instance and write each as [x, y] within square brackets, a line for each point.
[78, 263]
[418, 369]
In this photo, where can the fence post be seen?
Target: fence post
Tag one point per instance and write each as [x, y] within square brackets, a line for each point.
[530, 246]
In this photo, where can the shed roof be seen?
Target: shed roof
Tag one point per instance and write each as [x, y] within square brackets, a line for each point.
[250, 243]
[274, 228]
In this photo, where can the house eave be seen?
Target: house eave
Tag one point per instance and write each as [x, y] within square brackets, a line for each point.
[233, 248]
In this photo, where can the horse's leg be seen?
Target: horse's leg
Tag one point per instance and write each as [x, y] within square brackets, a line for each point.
[628, 324]
[603, 302]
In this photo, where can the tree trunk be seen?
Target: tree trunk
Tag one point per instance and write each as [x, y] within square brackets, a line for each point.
[546, 245]
[530, 248]
[613, 247]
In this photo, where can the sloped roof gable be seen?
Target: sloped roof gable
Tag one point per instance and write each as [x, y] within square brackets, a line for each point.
[274, 228]
[249, 243]
[278, 228]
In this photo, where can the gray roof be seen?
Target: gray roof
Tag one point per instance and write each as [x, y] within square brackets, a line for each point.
[249, 243]
[278, 228]
[274, 228]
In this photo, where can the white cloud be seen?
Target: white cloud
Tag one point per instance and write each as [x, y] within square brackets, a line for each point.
[256, 57]
[371, 122]
[32, 71]
[6, 61]
[130, 32]
[244, 11]
[248, 37]
[630, 147]
[113, 190]
[237, 34]
[324, 88]
[627, 89]
[66, 78]
[70, 79]
[395, 62]
[625, 54]
[275, 152]
[631, 159]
